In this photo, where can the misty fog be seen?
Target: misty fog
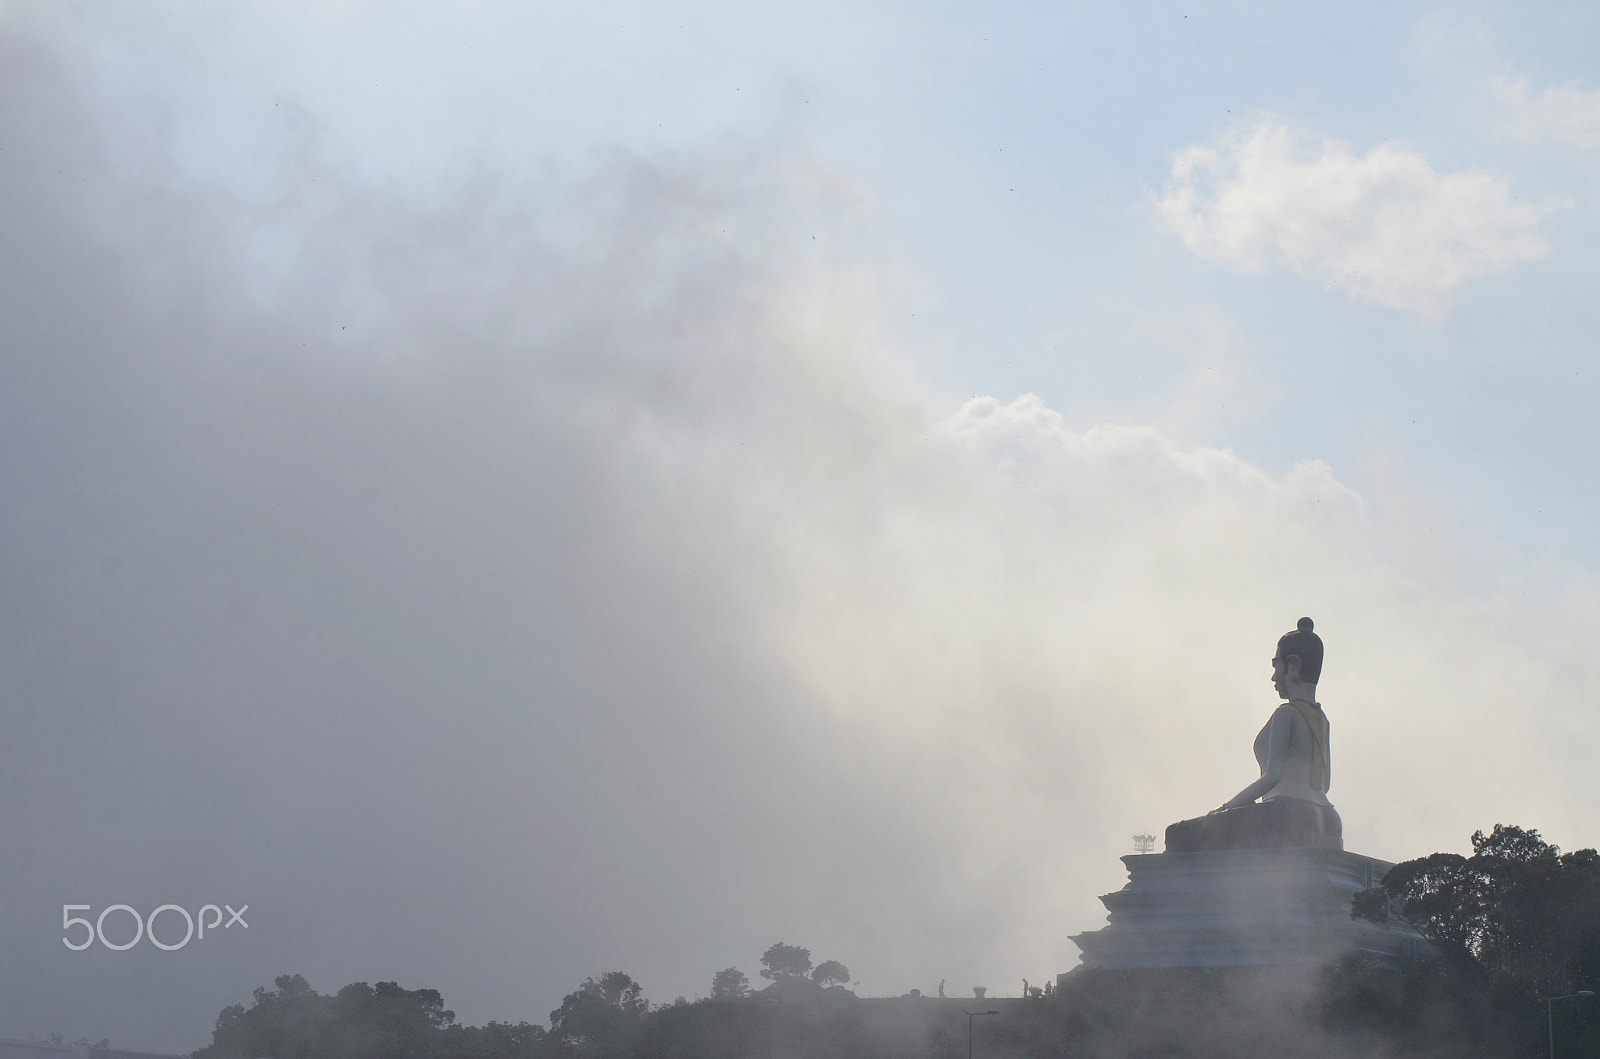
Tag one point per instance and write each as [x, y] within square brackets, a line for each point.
[507, 575]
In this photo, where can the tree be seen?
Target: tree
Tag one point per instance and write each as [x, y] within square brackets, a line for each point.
[830, 972]
[290, 1021]
[1525, 913]
[785, 962]
[500, 1040]
[602, 1016]
[386, 1020]
[729, 983]
[361, 1021]
[1516, 921]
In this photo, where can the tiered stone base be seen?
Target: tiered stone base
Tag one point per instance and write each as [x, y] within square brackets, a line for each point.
[1243, 908]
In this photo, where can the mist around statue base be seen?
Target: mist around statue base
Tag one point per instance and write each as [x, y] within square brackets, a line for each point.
[1512, 924]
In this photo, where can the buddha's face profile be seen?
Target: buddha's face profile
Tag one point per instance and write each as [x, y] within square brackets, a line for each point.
[1298, 662]
[1285, 674]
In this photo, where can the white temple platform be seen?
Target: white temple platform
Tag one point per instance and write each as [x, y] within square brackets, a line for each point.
[1243, 908]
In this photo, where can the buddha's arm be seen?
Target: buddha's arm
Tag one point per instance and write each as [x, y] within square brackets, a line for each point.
[1279, 733]
[1250, 793]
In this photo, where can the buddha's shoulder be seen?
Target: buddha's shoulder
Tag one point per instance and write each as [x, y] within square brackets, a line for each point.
[1288, 711]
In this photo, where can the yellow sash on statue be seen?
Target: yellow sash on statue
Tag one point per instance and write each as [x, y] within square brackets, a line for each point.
[1319, 743]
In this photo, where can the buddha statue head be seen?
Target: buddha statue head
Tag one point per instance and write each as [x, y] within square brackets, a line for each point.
[1298, 663]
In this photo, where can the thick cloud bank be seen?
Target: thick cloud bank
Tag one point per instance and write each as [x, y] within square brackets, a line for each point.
[1383, 226]
[495, 591]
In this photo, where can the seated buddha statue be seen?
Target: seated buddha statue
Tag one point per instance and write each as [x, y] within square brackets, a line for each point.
[1287, 807]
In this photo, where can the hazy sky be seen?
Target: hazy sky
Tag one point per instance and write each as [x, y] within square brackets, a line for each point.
[510, 494]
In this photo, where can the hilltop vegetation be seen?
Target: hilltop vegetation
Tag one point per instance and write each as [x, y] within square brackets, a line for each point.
[1516, 921]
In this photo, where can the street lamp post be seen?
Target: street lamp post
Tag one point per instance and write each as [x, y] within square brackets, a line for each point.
[1549, 1015]
[974, 1014]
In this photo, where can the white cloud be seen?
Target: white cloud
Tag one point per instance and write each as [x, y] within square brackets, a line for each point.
[1219, 388]
[1564, 113]
[1383, 226]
